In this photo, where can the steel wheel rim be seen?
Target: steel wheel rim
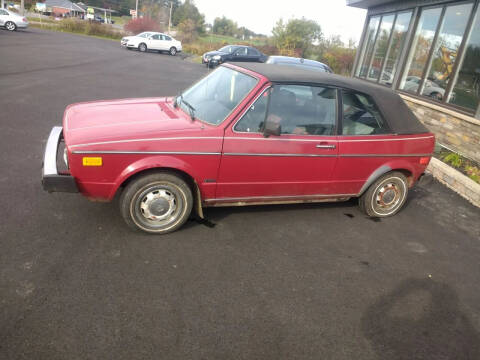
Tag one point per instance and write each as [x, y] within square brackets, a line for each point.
[10, 26]
[158, 206]
[388, 196]
[143, 48]
[173, 51]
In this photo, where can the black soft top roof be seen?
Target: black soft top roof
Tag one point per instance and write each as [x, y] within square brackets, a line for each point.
[399, 117]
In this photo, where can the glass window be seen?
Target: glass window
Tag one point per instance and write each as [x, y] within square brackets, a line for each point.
[253, 119]
[156, 37]
[300, 110]
[168, 38]
[445, 50]
[380, 49]
[361, 115]
[420, 49]
[466, 89]
[398, 38]
[216, 95]
[368, 48]
[303, 110]
[227, 49]
[3, 12]
[252, 52]
[241, 51]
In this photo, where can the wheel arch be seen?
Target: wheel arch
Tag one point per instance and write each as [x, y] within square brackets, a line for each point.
[404, 167]
[143, 168]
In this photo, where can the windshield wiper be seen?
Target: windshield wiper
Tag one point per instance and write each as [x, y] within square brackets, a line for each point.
[179, 99]
[190, 108]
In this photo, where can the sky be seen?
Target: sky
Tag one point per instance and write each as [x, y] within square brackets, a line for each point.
[260, 16]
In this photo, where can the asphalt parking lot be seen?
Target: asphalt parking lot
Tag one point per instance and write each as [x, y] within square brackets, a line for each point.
[274, 282]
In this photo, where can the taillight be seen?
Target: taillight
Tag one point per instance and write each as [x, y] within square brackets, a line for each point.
[424, 160]
[24, 19]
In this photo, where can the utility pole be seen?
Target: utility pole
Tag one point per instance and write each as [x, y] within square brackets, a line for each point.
[136, 9]
[22, 7]
[170, 17]
[3, 4]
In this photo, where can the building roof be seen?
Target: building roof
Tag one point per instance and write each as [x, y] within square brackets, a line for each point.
[399, 117]
[65, 4]
[365, 4]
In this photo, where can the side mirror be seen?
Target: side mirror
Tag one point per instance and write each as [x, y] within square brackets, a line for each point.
[272, 128]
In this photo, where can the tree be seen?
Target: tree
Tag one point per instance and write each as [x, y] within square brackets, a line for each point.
[188, 11]
[224, 26]
[297, 35]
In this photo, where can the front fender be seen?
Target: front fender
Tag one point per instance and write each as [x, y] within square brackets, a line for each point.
[153, 162]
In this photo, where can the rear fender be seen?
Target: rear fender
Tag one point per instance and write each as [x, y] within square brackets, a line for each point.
[387, 167]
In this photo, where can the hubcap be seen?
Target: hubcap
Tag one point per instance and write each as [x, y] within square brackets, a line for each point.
[142, 47]
[158, 205]
[388, 196]
[10, 26]
[173, 51]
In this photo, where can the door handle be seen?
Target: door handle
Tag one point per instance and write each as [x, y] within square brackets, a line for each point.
[325, 146]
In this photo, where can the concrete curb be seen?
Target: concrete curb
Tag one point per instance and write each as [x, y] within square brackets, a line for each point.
[455, 180]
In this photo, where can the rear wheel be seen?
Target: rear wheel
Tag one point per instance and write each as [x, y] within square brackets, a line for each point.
[142, 47]
[158, 203]
[10, 26]
[173, 51]
[386, 196]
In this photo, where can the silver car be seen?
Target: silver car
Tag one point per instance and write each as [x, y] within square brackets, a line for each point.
[12, 21]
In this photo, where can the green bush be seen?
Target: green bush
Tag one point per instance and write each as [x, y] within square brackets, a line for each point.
[453, 159]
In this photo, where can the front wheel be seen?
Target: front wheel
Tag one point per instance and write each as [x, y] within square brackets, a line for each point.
[142, 47]
[10, 26]
[386, 196]
[173, 51]
[158, 203]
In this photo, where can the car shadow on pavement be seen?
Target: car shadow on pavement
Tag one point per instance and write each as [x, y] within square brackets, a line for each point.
[420, 319]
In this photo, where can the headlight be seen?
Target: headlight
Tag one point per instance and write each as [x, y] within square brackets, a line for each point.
[216, 57]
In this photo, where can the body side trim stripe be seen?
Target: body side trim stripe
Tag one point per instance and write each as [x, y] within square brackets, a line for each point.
[279, 197]
[146, 152]
[152, 139]
[332, 138]
[244, 154]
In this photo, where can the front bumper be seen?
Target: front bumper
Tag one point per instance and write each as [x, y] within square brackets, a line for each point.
[52, 181]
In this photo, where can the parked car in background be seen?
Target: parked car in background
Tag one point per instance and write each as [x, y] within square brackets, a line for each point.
[150, 40]
[12, 21]
[299, 62]
[242, 135]
[431, 88]
[233, 53]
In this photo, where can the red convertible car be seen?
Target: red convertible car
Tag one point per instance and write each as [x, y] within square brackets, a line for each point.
[244, 134]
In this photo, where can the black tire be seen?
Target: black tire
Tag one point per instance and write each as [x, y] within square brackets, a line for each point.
[173, 51]
[10, 26]
[386, 196]
[157, 203]
[436, 96]
[142, 47]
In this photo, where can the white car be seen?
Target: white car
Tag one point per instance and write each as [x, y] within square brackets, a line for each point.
[12, 21]
[152, 41]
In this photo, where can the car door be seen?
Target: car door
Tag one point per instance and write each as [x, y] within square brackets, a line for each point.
[240, 54]
[155, 42]
[365, 142]
[168, 42]
[296, 164]
[253, 55]
[3, 17]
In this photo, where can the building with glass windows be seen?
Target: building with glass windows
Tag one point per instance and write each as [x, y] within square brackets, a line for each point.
[429, 52]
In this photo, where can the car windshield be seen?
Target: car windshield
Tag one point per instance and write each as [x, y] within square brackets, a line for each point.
[144, 34]
[227, 49]
[214, 97]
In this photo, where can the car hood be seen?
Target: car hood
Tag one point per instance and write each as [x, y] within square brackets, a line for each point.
[120, 120]
[213, 53]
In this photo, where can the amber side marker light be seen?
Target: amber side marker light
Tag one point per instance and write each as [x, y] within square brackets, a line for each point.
[424, 160]
[92, 161]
